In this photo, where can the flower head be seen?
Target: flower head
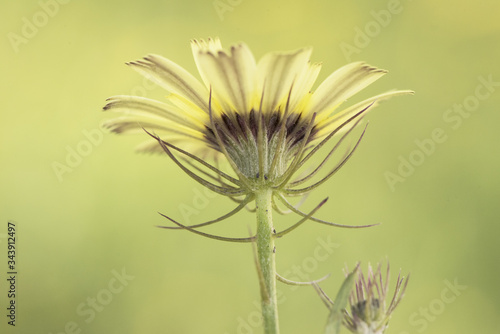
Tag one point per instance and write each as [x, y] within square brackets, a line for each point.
[263, 117]
[370, 311]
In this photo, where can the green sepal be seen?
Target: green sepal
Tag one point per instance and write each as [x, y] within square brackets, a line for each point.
[337, 309]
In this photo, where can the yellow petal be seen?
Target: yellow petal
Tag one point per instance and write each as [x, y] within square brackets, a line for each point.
[277, 72]
[173, 78]
[342, 84]
[335, 120]
[229, 74]
[136, 106]
[302, 85]
[190, 110]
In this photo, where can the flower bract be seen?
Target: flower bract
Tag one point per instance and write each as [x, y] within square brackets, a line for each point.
[370, 310]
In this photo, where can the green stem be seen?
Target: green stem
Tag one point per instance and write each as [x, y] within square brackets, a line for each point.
[266, 260]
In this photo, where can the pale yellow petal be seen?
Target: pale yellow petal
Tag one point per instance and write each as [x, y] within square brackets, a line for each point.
[231, 75]
[277, 72]
[173, 78]
[303, 84]
[144, 107]
[212, 45]
[190, 109]
[342, 84]
[335, 120]
[201, 46]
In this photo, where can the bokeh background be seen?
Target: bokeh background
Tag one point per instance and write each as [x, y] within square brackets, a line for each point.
[88, 217]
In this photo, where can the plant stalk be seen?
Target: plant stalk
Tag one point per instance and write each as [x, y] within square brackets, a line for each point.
[266, 260]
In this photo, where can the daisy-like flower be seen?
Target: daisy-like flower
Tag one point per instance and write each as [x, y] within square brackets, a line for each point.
[370, 311]
[262, 117]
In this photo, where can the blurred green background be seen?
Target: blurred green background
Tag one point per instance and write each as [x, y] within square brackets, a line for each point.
[93, 221]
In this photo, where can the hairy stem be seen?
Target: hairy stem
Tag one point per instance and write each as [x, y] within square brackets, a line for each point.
[266, 260]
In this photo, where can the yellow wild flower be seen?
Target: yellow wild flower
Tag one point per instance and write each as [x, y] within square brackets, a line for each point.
[262, 117]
